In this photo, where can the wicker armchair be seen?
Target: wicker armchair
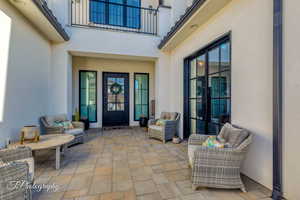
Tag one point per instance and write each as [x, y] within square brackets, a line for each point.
[16, 167]
[216, 167]
[48, 128]
[166, 131]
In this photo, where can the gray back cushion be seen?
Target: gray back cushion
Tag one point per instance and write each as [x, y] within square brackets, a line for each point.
[168, 115]
[233, 136]
[52, 118]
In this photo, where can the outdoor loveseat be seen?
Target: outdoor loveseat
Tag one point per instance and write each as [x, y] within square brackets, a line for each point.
[48, 127]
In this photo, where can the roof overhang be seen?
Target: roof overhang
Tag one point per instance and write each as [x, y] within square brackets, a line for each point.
[38, 13]
[195, 16]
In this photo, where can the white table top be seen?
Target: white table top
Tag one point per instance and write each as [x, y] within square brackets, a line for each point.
[46, 142]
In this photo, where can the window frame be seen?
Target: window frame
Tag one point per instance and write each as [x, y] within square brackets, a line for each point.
[96, 88]
[148, 93]
[107, 13]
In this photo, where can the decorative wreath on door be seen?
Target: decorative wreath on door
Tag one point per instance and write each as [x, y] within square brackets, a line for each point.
[116, 89]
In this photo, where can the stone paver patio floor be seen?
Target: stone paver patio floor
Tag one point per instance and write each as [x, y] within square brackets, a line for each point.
[125, 164]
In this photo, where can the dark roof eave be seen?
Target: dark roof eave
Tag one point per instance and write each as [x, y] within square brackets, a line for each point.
[183, 19]
[43, 7]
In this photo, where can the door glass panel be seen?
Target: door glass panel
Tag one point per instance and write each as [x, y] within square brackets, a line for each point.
[120, 98]
[225, 56]
[141, 95]
[145, 110]
[213, 64]
[215, 110]
[213, 129]
[201, 127]
[144, 96]
[224, 110]
[115, 94]
[201, 65]
[193, 69]
[193, 108]
[92, 112]
[225, 84]
[119, 106]
[111, 107]
[138, 110]
[193, 88]
[200, 109]
[200, 86]
[88, 95]
[214, 85]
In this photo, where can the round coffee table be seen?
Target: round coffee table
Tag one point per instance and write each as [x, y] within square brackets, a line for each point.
[48, 142]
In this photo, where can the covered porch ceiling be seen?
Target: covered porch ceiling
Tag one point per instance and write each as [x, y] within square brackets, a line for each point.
[112, 56]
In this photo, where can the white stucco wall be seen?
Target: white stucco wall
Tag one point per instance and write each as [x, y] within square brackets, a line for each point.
[251, 25]
[24, 74]
[112, 65]
[291, 137]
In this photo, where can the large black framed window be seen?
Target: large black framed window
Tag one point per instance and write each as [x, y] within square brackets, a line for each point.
[88, 95]
[125, 13]
[141, 95]
[208, 88]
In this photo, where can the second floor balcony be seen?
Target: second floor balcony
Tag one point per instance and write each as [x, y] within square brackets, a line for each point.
[121, 15]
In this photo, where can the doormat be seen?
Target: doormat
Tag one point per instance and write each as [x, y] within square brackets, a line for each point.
[116, 127]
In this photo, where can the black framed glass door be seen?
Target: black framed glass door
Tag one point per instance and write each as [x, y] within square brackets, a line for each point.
[115, 99]
[208, 82]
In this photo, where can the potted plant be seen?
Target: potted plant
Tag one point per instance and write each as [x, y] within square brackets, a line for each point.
[143, 121]
[176, 139]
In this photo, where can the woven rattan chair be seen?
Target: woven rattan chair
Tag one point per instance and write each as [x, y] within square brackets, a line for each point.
[166, 131]
[216, 167]
[14, 171]
[48, 128]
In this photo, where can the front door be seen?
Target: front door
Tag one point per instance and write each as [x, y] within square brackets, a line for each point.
[115, 99]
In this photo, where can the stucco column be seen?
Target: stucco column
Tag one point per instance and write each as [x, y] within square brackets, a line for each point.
[162, 84]
[60, 82]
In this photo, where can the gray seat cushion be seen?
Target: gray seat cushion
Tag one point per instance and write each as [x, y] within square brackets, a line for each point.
[154, 127]
[74, 131]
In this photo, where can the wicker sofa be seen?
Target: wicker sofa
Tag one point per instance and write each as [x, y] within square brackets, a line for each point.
[16, 165]
[47, 127]
[166, 131]
[219, 167]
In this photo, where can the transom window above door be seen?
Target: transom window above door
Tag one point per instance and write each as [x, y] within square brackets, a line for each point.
[126, 13]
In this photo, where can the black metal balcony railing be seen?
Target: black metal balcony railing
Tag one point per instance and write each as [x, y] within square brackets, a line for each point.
[114, 16]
